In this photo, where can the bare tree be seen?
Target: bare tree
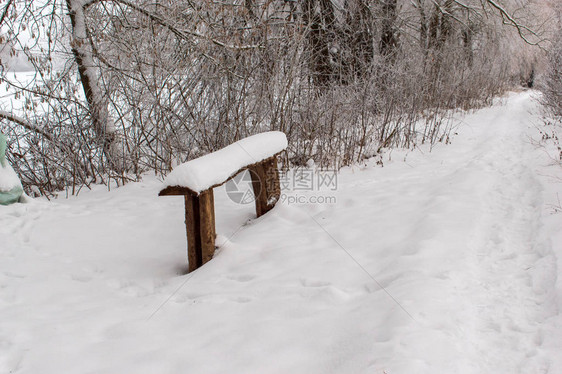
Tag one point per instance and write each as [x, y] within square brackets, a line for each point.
[123, 87]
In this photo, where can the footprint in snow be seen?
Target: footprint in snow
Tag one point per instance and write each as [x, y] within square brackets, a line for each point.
[80, 278]
[314, 283]
[241, 278]
[242, 299]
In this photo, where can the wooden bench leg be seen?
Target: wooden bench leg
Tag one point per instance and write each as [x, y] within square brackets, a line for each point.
[273, 187]
[258, 185]
[207, 227]
[200, 227]
[265, 182]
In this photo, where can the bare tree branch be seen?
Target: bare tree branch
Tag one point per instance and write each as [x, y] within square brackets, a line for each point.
[513, 22]
[181, 33]
[5, 12]
[25, 124]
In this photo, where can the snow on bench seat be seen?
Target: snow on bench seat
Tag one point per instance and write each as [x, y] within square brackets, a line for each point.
[215, 168]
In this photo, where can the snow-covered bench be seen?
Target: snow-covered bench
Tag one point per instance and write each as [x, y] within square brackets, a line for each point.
[196, 179]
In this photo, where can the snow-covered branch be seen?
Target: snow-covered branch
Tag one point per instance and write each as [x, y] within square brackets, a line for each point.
[5, 11]
[25, 124]
[521, 28]
[179, 32]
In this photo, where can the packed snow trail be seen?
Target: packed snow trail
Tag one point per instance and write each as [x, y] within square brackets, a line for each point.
[435, 263]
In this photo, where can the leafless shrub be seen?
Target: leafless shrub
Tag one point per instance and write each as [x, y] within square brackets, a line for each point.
[170, 81]
[552, 87]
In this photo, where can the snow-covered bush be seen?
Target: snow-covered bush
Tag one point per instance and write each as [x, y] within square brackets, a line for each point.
[148, 84]
[552, 86]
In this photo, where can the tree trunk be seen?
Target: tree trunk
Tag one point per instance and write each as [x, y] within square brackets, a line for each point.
[423, 27]
[467, 44]
[318, 17]
[359, 38]
[95, 97]
[388, 41]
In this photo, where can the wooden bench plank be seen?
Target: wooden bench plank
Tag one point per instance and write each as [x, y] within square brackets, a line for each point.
[176, 191]
[217, 167]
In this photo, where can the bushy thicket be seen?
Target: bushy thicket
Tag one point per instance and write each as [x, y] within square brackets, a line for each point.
[552, 85]
[178, 79]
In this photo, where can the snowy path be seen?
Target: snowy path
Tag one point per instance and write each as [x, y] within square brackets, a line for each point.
[441, 263]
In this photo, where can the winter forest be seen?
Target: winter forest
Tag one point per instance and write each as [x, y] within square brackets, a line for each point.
[363, 186]
[119, 88]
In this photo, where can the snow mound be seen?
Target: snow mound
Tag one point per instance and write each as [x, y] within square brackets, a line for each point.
[214, 168]
[8, 178]
[10, 185]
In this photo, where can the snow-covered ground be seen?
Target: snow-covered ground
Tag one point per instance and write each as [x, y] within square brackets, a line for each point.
[441, 262]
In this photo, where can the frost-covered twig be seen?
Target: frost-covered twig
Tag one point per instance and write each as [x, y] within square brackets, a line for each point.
[181, 33]
[25, 124]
